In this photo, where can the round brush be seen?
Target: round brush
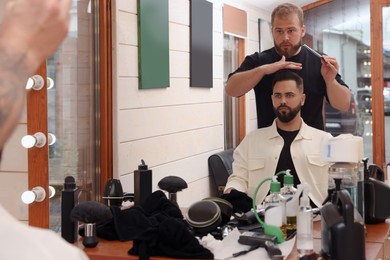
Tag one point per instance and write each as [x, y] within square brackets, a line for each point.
[90, 212]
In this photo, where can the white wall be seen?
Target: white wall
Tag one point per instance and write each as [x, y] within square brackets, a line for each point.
[174, 129]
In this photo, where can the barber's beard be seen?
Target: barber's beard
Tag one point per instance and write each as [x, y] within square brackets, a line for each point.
[287, 115]
[287, 52]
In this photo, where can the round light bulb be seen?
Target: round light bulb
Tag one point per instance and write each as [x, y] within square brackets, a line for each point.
[30, 83]
[52, 192]
[50, 83]
[28, 197]
[35, 82]
[28, 141]
[52, 139]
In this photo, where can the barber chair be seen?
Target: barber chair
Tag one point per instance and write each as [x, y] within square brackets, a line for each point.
[220, 167]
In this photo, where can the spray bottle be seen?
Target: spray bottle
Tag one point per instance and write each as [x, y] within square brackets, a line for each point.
[275, 207]
[304, 223]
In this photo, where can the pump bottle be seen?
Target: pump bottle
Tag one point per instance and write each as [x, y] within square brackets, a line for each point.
[275, 207]
[142, 183]
[288, 191]
[305, 224]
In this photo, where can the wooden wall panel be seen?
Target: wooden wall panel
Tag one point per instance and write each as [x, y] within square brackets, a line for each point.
[38, 167]
[234, 21]
[378, 128]
[106, 106]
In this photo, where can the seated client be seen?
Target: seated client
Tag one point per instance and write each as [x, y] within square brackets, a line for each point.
[289, 143]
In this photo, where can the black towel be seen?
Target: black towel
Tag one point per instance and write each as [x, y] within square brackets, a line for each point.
[241, 201]
[157, 228]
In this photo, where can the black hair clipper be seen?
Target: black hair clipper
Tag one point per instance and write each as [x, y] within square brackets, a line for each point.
[273, 250]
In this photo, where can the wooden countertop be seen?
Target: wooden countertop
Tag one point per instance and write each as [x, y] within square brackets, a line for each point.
[111, 250]
[116, 250]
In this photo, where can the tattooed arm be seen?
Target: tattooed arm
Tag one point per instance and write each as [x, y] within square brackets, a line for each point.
[12, 83]
[29, 33]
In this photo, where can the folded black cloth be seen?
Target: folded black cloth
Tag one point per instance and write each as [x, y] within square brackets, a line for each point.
[171, 239]
[240, 201]
[157, 228]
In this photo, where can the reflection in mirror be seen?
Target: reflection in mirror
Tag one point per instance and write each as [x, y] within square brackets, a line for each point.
[231, 105]
[72, 110]
[50, 83]
[386, 74]
[51, 139]
[342, 29]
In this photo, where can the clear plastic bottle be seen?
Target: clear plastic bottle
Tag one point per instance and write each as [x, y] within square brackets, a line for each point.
[288, 191]
[305, 224]
[275, 207]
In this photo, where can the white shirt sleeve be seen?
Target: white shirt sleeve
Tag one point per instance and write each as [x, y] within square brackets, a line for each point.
[19, 241]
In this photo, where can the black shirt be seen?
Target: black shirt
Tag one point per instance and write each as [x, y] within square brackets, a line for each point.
[313, 82]
[285, 161]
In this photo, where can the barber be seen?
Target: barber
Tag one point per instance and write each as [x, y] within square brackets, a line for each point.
[320, 75]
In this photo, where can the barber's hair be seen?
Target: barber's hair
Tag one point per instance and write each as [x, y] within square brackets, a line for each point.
[283, 75]
[286, 9]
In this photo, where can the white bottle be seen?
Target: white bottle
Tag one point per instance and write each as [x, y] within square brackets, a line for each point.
[275, 207]
[305, 224]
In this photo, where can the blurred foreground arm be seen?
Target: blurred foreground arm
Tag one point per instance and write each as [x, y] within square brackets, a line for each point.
[29, 33]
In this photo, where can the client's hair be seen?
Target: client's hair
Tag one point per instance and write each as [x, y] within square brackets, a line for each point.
[283, 75]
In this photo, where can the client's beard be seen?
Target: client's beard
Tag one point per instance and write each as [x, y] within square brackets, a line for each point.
[286, 117]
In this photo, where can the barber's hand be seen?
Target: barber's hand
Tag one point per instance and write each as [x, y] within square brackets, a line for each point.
[34, 29]
[279, 65]
[329, 68]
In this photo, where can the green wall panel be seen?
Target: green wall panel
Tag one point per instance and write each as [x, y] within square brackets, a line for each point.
[153, 44]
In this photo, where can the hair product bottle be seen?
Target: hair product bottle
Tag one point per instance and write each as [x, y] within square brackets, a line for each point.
[275, 207]
[142, 183]
[69, 199]
[305, 224]
[288, 191]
